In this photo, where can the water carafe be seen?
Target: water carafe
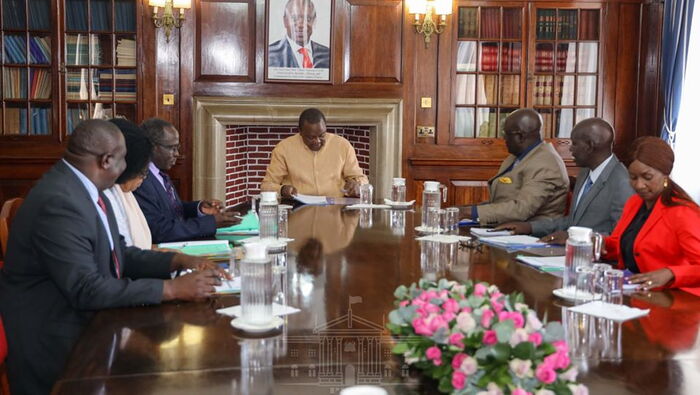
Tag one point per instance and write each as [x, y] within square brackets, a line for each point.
[432, 197]
[398, 190]
[268, 216]
[256, 285]
[579, 255]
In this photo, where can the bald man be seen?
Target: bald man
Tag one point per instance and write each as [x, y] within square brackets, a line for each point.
[66, 260]
[296, 49]
[602, 186]
[531, 184]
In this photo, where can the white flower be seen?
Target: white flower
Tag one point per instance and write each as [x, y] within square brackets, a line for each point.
[569, 375]
[521, 307]
[578, 389]
[544, 392]
[521, 368]
[519, 335]
[533, 323]
[460, 289]
[409, 358]
[465, 322]
[492, 389]
[493, 289]
[469, 366]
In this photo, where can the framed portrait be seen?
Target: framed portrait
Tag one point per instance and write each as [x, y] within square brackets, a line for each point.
[298, 40]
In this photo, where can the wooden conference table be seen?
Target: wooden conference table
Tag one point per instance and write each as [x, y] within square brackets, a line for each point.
[342, 270]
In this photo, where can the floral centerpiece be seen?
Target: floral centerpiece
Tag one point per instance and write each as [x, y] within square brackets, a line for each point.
[473, 339]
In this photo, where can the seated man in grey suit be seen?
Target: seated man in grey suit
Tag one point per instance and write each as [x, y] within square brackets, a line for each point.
[296, 49]
[602, 186]
[66, 260]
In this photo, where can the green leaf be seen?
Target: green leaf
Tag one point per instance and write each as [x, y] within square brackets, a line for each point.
[524, 351]
[553, 331]
[393, 328]
[504, 330]
[400, 348]
[396, 318]
[401, 292]
[544, 349]
[501, 352]
[445, 385]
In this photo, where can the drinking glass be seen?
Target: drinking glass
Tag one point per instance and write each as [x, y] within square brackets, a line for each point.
[283, 221]
[614, 279]
[598, 241]
[448, 253]
[584, 284]
[256, 291]
[452, 214]
[365, 218]
[366, 193]
[599, 288]
[443, 221]
[433, 223]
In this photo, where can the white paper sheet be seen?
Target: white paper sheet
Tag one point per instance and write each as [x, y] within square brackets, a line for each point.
[229, 286]
[360, 206]
[309, 199]
[489, 232]
[614, 312]
[277, 310]
[543, 261]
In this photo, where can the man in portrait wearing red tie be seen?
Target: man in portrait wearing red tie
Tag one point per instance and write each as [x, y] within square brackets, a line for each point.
[296, 49]
[66, 260]
[169, 218]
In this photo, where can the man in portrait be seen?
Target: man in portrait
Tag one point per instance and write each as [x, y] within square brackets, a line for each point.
[296, 49]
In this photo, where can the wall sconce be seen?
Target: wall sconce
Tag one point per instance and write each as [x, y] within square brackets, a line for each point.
[428, 8]
[168, 20]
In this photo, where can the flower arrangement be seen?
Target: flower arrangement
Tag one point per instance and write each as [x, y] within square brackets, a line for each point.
[473, 339]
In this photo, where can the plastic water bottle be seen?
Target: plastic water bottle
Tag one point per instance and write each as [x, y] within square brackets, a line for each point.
[256, 285]
[432, 198]
[268, 216]
[579, 255]
[398, 189]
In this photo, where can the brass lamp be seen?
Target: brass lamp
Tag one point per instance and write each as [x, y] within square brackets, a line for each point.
[168, 19]
[426, 9]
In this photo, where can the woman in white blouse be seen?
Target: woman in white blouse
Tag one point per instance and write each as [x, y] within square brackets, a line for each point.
[132, 224]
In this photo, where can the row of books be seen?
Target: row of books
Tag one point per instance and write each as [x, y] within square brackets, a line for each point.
[490, 23]
[510, 58]
[83, 49]
[39, 50]
[14, 14]
[101, 15]
[15, 83]
[16, 121]
[126, 52]
[466, 92]
[565, 25]
[565, 62]
[105, 84]
[560, 90]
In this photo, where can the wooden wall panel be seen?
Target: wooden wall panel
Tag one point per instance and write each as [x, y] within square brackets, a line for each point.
[625, 120]
[373, 51]
[650, 94]
[469, 192]
[225, 42]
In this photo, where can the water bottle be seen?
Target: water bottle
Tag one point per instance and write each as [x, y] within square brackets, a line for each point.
[268, 216]
[579, 255]
[432, 198]
[256, 285]
[398, 189]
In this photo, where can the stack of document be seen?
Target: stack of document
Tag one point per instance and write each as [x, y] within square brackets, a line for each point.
[546, 264]
[512, 242]
[250, 225]
[311, 200]
[489, 232]
[212, 249]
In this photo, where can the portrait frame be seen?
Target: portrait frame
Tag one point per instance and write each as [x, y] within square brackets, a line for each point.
[280, 63]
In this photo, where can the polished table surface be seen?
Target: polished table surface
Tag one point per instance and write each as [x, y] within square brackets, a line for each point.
[342, 269]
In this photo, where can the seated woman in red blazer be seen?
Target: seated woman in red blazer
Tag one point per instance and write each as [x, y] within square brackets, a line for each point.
[658, 234]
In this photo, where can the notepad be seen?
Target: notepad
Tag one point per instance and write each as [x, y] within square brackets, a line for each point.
[206, 248]
[489, 232]
[312, 200]
[550, 263]
[250, 225]
[518, 241]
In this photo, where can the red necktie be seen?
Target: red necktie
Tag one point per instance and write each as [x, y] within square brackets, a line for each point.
[101, 203]
[307, 59]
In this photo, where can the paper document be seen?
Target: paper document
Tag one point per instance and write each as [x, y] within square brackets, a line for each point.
[309, 199]
[229, 286]
[488, 232]
[277, 310]
[206, 248]
[250, 225]
[614, 312]
[543, 263]
[512, 242]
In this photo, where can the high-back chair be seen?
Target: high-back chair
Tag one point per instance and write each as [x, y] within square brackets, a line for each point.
[7, 213]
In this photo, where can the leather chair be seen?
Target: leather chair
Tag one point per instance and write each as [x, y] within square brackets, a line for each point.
[7, 213]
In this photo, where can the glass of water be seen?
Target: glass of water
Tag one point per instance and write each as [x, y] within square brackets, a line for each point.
[614, 279]
[282, 221]
[433, 220]
[451, 219]
[366, 193]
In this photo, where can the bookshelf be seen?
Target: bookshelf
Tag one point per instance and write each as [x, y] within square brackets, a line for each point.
[553, 67]
[57, 71]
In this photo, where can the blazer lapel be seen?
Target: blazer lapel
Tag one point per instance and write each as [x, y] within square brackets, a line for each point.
[597, 186]
[162, 193]
[656, 214]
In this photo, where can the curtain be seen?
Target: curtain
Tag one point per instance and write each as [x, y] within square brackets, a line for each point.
[676, 36]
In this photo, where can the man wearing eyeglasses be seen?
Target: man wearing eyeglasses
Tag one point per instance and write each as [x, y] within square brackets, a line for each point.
[169, 218]
[314, 162]
[532, 182]
[296, 49]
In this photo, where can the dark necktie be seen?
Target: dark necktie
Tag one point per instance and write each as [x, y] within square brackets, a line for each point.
[174, 201]
[586, 187]
[101, 203]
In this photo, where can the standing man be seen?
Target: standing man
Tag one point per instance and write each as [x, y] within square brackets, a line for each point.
[532, 182]
[65, 261]
[313, 162]
[296, 49]
[169, 218]
[602, 186]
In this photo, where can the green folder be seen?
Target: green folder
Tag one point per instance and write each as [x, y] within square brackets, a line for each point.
[211, 249]
[250, 225]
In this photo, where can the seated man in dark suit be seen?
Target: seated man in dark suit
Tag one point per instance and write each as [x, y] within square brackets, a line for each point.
[65, 261]
[169, 218]
[602, 186]
[296, 49]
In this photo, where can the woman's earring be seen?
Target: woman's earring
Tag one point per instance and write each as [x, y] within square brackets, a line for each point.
[666, 183]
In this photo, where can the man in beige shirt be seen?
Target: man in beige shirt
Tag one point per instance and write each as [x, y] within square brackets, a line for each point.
[313, 162]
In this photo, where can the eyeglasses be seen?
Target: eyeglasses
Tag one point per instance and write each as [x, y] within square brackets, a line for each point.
[171, 147]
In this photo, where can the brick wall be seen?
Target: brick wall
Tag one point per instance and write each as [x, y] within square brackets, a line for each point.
[248, 151]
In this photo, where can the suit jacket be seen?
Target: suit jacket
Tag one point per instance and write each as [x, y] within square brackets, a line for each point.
[165, 224]
[59, 271]
[600, 208]
[670, 238]
[534, 189]
[280, 54]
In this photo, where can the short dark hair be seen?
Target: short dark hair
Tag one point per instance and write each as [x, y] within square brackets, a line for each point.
[311, 116]
[138, 149]
[154, 128]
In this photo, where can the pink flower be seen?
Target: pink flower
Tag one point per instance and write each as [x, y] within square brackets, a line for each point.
[479, 289]
[434, 354]
[486, 317]
[448, 316]
[518, 336]
[579, 389]
[458, 379]
[403, 303]
[457, 360]
[535, 338]
[561, 345]
[490, 338]
[466, 309]
[465, 322]
[495, 295]
[533, 322]
[421, 328]
[520, 391]
[455, 339]
[497, 306]
[451, 306]
[569, 375]
[558, 360]
[545, 373]
[469, 366]
[443, 294]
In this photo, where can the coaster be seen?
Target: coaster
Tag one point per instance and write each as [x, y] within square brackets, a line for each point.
[239, 323]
